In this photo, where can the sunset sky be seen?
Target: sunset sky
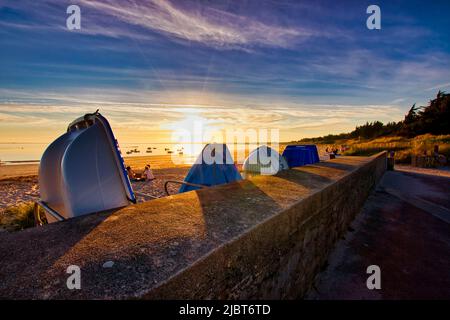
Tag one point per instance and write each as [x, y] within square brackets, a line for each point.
[308, 68]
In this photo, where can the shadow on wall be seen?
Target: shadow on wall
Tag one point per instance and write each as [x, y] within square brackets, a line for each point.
[151, 242]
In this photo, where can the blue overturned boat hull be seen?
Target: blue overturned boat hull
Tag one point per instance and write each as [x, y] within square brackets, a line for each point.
[214, 166]
[300, 155]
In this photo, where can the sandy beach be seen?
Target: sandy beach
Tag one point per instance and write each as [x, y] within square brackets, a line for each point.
[19, 183]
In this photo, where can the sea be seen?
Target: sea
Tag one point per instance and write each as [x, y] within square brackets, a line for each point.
[25, 153]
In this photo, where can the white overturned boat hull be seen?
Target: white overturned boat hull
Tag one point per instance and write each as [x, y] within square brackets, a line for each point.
[83, 172]
[264, 160]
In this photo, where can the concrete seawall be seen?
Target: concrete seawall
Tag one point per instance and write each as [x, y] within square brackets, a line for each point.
[262, 238]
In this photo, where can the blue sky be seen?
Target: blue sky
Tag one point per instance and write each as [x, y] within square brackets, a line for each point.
[307, 68]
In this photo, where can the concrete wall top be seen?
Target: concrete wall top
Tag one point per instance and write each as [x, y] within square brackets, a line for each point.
[152, 242]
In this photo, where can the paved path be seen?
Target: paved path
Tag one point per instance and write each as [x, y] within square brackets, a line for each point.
[404, 228]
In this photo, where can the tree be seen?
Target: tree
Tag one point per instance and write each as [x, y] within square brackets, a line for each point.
[408, 126]
[433, 118]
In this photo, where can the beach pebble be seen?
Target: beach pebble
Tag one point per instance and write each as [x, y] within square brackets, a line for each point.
[108, 264]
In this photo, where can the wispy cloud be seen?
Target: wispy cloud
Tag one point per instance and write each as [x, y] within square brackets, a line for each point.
[209, 26]
[294, 120]
[308, 68]
[440, 86]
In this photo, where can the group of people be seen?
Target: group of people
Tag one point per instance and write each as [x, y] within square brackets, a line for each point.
[334, 151]
[146, 175]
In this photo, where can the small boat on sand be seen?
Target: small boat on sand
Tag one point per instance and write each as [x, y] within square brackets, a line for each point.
[264, 160]
[214, 166]
[83, 171]
[300, 155]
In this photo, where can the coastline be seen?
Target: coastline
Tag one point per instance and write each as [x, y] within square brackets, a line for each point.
[19, 182]
[17, 169]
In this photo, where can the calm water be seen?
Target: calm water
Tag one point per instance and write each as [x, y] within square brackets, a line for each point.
[30, 152]
[19, 153]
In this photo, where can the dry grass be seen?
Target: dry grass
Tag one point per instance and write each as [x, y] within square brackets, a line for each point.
[404, 147]
[18, 217]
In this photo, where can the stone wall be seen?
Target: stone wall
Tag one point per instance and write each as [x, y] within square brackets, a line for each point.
[264, 238]
[280, 257]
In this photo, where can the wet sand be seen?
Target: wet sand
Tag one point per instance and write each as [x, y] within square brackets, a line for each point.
[156, 162]
[18, 170]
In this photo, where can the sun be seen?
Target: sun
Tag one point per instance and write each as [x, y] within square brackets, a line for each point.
[192, 132]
